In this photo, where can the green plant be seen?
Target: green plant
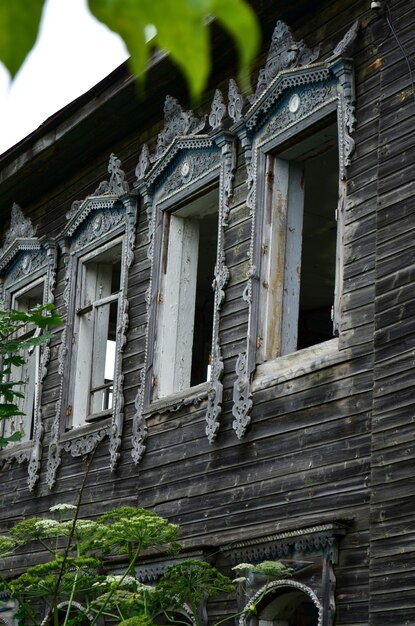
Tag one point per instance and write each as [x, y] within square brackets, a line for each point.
[180, 27]
[12, 353]
[75, 586]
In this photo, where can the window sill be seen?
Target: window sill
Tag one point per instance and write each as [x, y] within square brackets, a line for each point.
[19, 451]
[175, 401]
[85, 429]
[298, 364]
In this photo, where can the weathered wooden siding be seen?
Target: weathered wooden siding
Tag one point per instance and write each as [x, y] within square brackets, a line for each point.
[307, 457]
[392, 565]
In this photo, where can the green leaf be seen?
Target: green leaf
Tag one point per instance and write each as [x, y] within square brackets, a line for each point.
[128, 19]
[238, 18]
[9, 410]
[19, 21]
[4, 441]
[182, 30]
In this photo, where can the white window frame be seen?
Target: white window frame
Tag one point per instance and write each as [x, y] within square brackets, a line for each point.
[89, 342]
[176, 298]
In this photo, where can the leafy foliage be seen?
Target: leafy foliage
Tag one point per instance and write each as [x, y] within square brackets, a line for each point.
[181, 28]
[273, 568]
[189, 583]
[12, 348]
[74, 582]
[19, 27]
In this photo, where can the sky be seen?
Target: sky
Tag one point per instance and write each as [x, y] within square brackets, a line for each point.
[73, 52]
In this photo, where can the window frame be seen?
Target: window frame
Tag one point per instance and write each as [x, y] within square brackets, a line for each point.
[103, 218]
[294, 100]
[266, 149]
[80, 262]
[187, 168]
[25, 261]
[312, 552]
[188, 286]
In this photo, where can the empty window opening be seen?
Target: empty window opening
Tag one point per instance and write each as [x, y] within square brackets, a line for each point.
[186, 299]
[299, 245]
[290, 608]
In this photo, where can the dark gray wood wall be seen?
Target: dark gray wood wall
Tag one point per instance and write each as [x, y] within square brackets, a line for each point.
[392, 565]
[307, 457]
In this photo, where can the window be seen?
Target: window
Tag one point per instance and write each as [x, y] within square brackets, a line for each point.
[298, 247]
[27, 374]
[186, 297]
[97, 312]
[289, 607]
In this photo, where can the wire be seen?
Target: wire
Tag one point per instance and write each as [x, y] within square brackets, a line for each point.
[402, 49]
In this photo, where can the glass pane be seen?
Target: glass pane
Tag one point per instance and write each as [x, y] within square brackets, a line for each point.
[103, 357]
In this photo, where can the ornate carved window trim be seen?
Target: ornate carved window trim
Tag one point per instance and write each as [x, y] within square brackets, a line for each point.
[285, 585]
[293, 92]
[102, 218]
[185, 163]
[24, 260]
[316, 546]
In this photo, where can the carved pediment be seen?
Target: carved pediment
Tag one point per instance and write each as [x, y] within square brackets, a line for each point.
[20, 236]
[115, 187]
[302, 78]
[284, 53]
[186, 158]
[177, 123]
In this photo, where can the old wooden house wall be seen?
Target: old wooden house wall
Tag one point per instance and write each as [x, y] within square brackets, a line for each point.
[392, 566]
[307, 456]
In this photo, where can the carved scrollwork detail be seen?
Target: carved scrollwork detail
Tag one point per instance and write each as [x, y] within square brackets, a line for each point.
[115, 432]
[27, 262]
[116, 185]
[235, 102]
[220, 281]
[20, 227]
[35, 453]
[99, 224]
[190, 168]
[270, 587]
[284, 53]
[347, 117]
[53, 463]
[229, 165]
[308, 100]
[79, 446]
[218, 111]
[214, 405]
[346, 41]
[143, 163]
[242, 402]
[176, 123]
[139, 423]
